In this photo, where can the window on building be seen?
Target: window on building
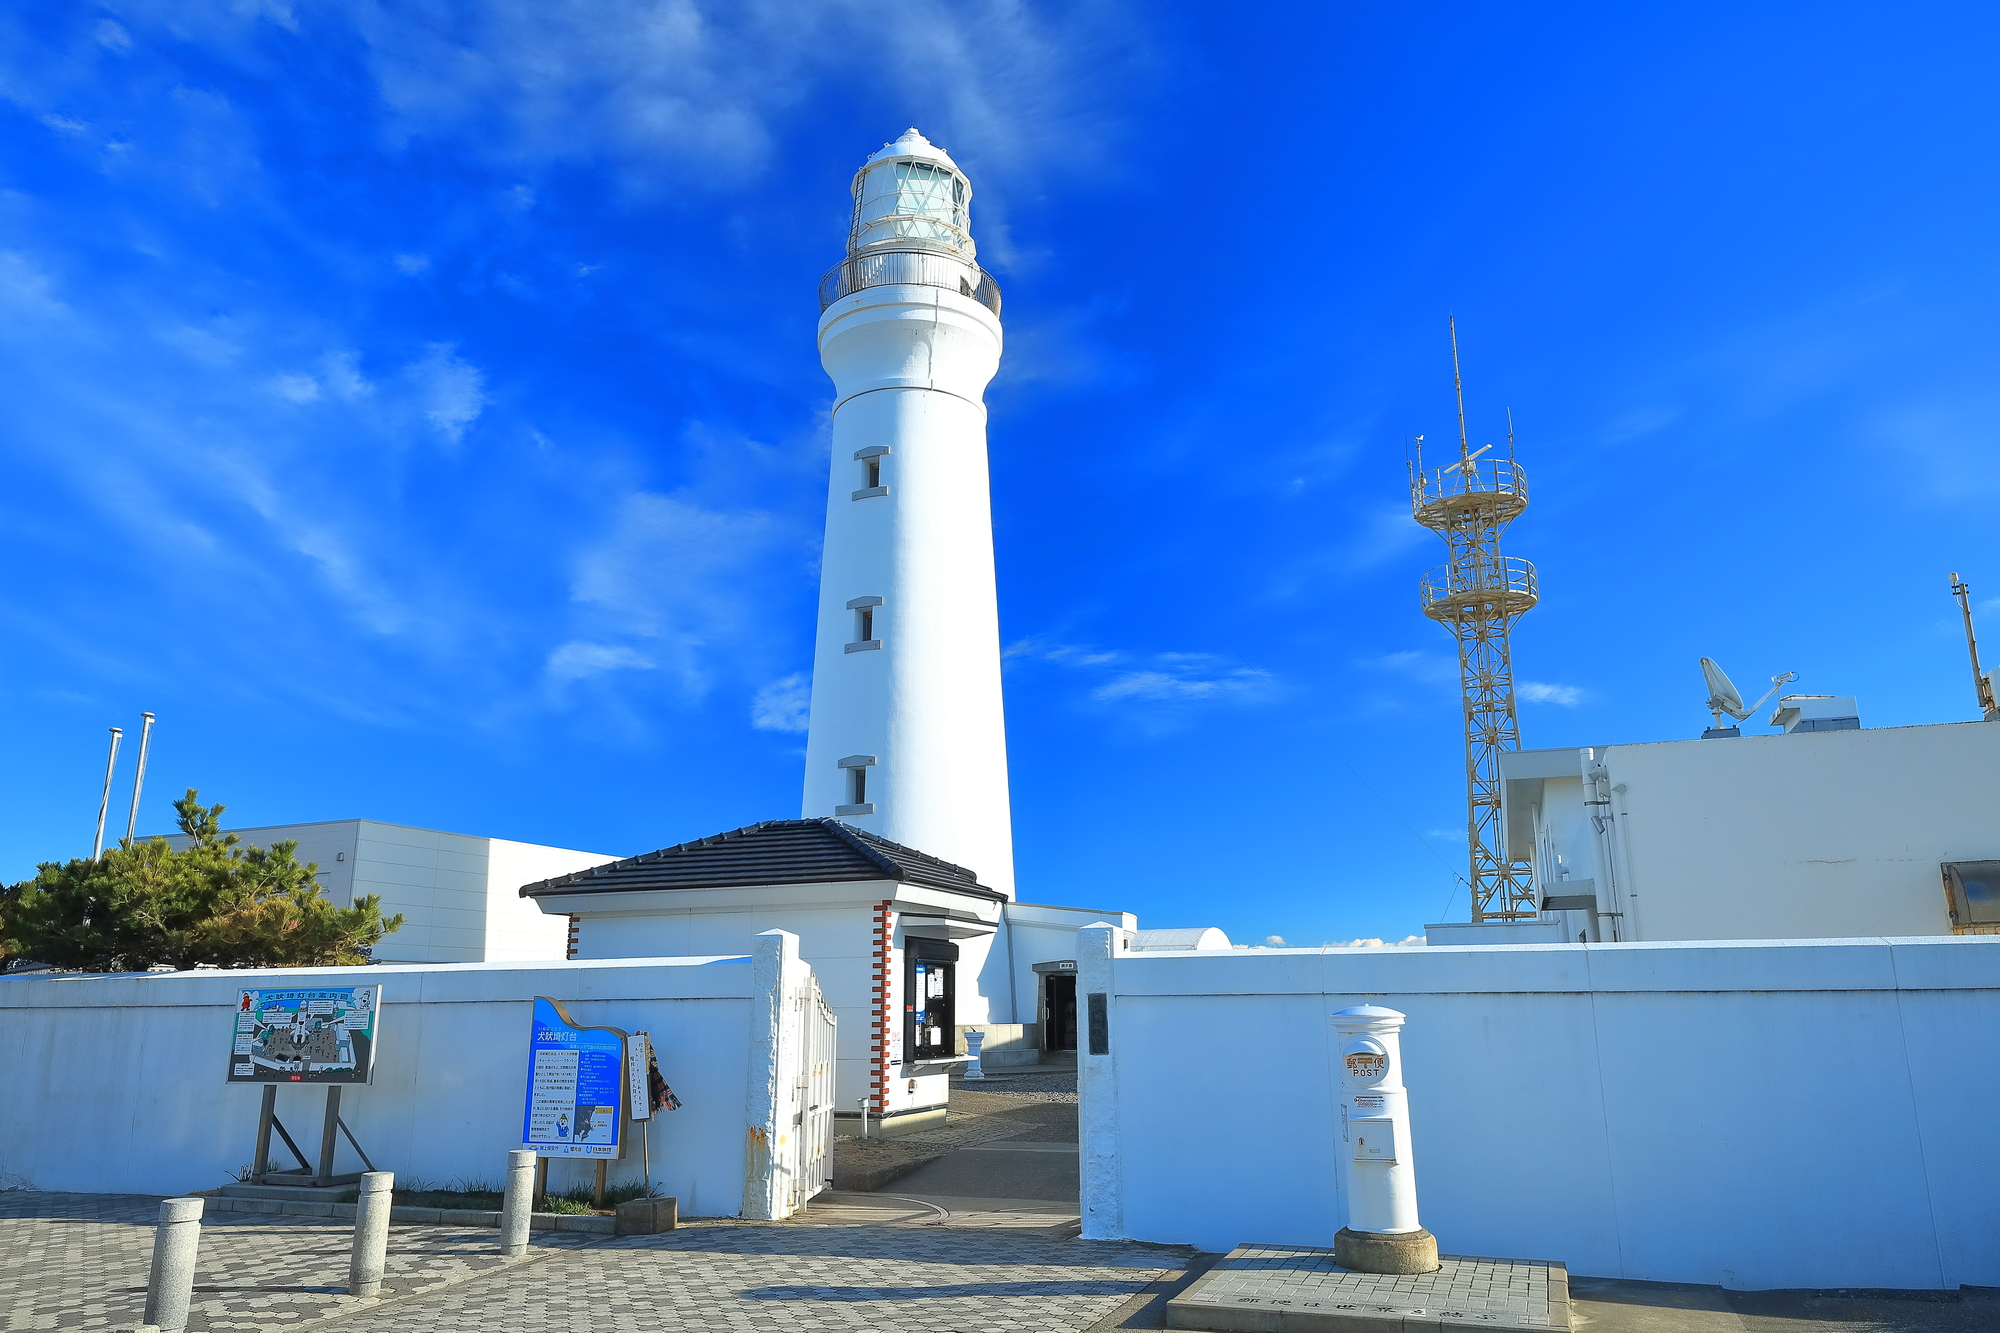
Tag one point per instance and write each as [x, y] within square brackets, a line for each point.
[865, 631]
[856, 767]
[871, 471]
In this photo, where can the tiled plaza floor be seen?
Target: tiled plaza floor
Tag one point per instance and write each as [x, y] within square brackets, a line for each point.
[80, 1262]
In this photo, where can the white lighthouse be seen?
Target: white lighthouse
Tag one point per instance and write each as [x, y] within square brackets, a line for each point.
[908, 738]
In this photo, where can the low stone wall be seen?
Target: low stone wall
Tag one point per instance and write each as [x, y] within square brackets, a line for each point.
[429, 1217]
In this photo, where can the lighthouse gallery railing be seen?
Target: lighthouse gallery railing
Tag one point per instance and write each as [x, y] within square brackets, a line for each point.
[909, 268]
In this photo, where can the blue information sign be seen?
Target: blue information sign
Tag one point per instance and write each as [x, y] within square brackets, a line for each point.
[576, 1084]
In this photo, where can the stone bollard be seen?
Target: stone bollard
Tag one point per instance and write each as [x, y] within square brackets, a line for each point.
[170, 1288]
[518, 1208]
[973, 1041]
[371, 1233]
[1382, 1234]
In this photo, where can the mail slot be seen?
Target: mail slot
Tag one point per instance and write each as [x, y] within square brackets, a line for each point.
[1374, 1138]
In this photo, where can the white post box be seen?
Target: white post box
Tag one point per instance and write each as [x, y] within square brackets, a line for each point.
[1382, 1234]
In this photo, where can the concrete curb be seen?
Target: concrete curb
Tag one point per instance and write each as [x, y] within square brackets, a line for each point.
[431, 1217]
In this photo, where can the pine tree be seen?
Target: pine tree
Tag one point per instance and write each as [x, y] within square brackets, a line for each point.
[215, 901]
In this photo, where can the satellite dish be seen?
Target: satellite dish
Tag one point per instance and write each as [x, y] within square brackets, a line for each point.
[1724, 698]
[1722, 695]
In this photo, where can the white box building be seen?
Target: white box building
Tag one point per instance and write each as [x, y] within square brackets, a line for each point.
[458, 894]
[1825, 832]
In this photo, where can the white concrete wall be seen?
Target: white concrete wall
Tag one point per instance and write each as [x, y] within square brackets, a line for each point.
[1753, 1114]
[1811, 835]
[1040, 933]
[910, 366]
[836, 940]
[115, 1083]
[515, 929]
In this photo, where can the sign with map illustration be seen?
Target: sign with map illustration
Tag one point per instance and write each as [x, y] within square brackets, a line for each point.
[576, 1086]
[308, 1034]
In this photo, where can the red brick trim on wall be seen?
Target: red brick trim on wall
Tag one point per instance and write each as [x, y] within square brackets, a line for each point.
[881, 1010]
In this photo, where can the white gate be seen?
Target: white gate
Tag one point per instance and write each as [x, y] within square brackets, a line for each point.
[812, 1168]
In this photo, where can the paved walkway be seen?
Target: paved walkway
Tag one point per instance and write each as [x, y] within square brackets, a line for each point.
[80, 1261]
[854, 1262]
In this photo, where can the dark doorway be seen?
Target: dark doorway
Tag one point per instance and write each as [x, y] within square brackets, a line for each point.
[1059, 1011]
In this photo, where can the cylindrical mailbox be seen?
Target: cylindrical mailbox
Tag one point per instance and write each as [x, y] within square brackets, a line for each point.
[1382, 1233]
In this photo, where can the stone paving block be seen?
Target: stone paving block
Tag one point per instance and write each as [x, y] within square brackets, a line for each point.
[1299, 1289]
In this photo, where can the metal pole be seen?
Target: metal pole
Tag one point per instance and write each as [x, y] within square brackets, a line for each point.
[541, 1182]
[518, 1208]
[328, 1131]
[97, 844]
[1982, 693]
[260, 1165]
[139, 776]
[646, 1154]
[170, 1287]
[371, 1233]
[597, 1196]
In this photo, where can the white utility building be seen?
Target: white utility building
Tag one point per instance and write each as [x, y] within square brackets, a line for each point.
[458, 894]
[899, 876]
[1826, 831]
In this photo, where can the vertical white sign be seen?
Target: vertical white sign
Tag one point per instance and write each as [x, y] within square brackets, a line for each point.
[638, 1062]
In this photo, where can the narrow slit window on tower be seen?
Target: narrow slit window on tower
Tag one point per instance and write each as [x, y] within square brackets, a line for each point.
[856, 767]
[871, 471]
[864, 625]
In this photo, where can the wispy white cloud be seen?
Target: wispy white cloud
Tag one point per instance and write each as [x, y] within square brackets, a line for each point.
[783, 705]
[681, 579]
[1158, 691]
[1428, 668]
[579, 661]
[1376, 942]
[453, 390]
[1542, 692]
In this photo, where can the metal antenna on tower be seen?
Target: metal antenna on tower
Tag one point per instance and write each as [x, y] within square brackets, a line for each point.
[1478, 595]
[1982, 683]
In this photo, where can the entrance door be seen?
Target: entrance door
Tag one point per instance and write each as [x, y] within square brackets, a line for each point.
[1059, 1011]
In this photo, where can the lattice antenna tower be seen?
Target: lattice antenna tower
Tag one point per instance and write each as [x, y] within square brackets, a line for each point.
[1478, 594]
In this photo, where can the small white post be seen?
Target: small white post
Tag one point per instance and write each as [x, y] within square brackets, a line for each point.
[517, 1209]
[1382, 1234]
[974, 1039]
[170, 1287]
[371, 1233]
[862, 1102]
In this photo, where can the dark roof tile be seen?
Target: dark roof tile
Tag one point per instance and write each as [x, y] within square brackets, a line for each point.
[777, 851]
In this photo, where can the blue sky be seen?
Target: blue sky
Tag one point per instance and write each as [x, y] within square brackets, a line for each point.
[416, 404]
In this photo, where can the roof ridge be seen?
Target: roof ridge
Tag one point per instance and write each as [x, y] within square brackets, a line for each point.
[846, 833]
[913, 851]
[771, 851]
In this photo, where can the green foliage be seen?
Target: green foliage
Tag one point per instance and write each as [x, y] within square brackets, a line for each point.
[214, 901]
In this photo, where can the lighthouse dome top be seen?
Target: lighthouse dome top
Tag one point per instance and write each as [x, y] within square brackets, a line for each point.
[914, 146]
[911, 196]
